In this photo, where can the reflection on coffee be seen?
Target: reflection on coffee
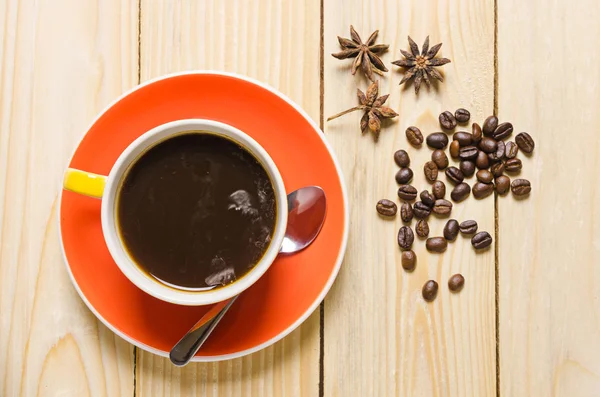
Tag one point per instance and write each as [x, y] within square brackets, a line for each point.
[196, 211]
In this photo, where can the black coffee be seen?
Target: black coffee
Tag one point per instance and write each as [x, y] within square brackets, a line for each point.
[196, 211]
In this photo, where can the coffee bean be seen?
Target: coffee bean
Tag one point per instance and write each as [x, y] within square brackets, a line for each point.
[421, 210]
[442, 207]
[481, 240]
[463, 138]
[467, 168]
[401, 158]
[405, 237]
[409, 260]
[462, 115]
[520, 187]
[502, 184]
[407, 193]
[430, 290]
[436, 244]
[447, 120]
[513, 165]
[525, 142]
[468, 153]
[482, 161]
[427, 198]
[482, 190]
[404, 175]
[497, 169]
[456, 282]
[485, 176]
[468, 227]
[406, 212]
[460, 192]
[431, 171]
[488, 145]
[489, 125]
[454, 175]
[451, 230]
[386, 207]
[437, 140]
[422, 228]
[454, 149]
[440, 159]
[499, 153]
[503, 131]
[476, 133]
[511, 150]
[414, 136]
[438, 189]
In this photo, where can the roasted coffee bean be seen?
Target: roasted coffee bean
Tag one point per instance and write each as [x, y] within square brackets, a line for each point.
[481, 240]
[467, 168]
[520, 187]
[482, 190]
[511, 150]
[404, 175]
[489, 125]
[440, 159]
[454, 149]
[454, 175]
[451, 230]
[460, 192]
[436, 244]
[406, 212]
[476, 133]
[407, 193]
[405, 237]
[409, 260]
[482, 161]
[513, 165]
[431, 171]
[468, 227]
[488, 145]
[437, 140]
[438, 189]
[468, 153]
[422, 228]
[401, 158]
[442, 207]
[421, 210]
[386, 207]
[502, 184]
[498, 155]
[462, 115]
[456, 282]
[525, 142]
[497, 169]
[447, 120]
[503, 131]
[463, 138]
[430, 290]
[485, 176]
[427, 198]
[414, 136]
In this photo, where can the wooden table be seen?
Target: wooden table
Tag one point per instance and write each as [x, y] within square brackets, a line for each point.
[527, 322]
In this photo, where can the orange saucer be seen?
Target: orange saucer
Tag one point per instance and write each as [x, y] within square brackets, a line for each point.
[294, 285]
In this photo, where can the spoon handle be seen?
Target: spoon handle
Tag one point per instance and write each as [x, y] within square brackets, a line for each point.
[187, 346]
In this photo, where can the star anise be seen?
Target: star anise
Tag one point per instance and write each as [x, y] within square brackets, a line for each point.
[364, 53]
[374, 110]
[421, 65]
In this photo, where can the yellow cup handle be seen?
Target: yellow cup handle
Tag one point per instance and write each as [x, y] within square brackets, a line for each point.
[84, 183]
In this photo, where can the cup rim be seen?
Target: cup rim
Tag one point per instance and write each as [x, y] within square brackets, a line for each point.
[116, 246]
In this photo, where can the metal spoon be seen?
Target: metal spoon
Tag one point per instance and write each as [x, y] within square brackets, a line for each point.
[306, 214]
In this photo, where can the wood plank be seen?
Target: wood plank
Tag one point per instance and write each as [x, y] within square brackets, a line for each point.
[549, 247]
[381, 338]
[278, 43]
[60, 63]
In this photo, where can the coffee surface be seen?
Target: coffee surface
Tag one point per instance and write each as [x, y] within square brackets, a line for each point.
[196, 211]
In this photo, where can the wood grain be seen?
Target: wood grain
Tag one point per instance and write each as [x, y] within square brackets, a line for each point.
[60, 63]
[549, 247]
[381, 337]
[278, 43]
